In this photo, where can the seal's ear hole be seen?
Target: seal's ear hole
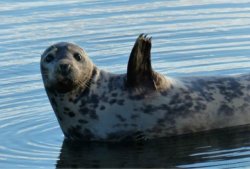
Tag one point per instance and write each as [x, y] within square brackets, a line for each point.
[78, 56]
[49, 58]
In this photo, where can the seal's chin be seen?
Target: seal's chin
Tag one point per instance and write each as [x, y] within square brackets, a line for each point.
[64, 84]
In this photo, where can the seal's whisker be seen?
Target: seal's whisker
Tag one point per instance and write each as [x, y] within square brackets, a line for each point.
[84, 83]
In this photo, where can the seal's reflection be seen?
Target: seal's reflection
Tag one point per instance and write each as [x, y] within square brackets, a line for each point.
[94, 155]
[167, 153]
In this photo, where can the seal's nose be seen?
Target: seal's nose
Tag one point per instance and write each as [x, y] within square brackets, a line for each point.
[64, 69]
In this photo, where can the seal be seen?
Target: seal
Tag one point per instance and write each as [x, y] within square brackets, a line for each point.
[94, 105]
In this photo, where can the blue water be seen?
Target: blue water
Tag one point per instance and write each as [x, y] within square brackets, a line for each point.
[190, 38]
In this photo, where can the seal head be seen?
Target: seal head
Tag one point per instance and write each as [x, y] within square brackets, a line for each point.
[65, 67]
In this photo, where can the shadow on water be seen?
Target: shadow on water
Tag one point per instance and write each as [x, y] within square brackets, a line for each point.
[218, 149]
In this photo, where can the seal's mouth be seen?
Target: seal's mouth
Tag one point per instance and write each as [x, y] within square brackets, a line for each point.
[64, 84]
[65, 81]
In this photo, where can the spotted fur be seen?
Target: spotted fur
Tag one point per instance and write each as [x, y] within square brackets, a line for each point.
[92, 104]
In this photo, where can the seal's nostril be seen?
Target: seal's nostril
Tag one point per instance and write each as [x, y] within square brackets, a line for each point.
[64, 68]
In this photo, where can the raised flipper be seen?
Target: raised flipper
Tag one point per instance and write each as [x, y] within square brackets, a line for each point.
[139, 71]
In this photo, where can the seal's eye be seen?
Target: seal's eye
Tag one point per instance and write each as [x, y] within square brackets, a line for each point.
[49, 58]
[78, 56]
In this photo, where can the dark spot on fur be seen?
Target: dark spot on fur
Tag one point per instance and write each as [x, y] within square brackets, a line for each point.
[148, 109]
[84, 110]
[71, 114]
[226, 110]
[134, 116]
[230, 89]
[82, 121]
[93, 115]
[200, 106]
[188, 97]
[203, 88]
[94, 99]
[104, 97]
[74, 133]
[70, 100]
[83, 103]
[114, 94]
[66, 108]
[120, 102]
[122, 119]
[137, 96]
[88, 111]
[102, 108]
[182, 108]
[95, 106]
[175, 99]
[112, 101]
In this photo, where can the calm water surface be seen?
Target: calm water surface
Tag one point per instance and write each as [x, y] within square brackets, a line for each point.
[205, 37]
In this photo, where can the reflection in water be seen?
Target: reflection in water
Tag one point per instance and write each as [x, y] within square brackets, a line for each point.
[219, 148]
